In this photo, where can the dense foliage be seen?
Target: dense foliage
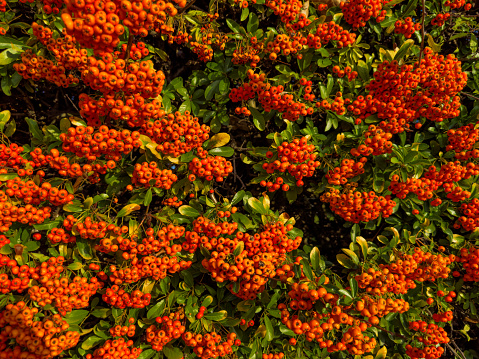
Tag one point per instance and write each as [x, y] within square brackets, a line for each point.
[165, 168]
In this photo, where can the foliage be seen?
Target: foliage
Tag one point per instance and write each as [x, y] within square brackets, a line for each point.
[144, 214]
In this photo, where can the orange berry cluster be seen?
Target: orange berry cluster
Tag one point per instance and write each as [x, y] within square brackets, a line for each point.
[63, 294]
[116, 348]
[296, 157]
[10, 156]
[92, 230]
[29, 215]
[23, 273]
[284, 45]
[175, 133]
[148, 266]
[406, 27]
[273, 356]
[30, 193]
[37, 67]
[137, 51]
[423, 188]
[118, 298]
[112, 76]
[58, 235]
[337, 106]
[119, 331]
[270, 97]
[358, 12]
[134, 109]
[210, 167]
[97, 27]
[377, 142]
[348, 71]
[381, 307]
[3, 8]
[348, 169]
[455, 4]
[288, 10]
[172, 202]
[355, 206]
[469, 258]
[210, 345]
[433, 335]
[328, 31]
[211, 230]
[444, 317]
[42, 339]
[405, 93]
[440, 19]
[242, 111]
[455, 193]
[170, 328]
[85, 142]
[470, 218]
[462, 141]
[165, 236]
[52, 6]
[142, 17]
[242, 54]
[149, 175]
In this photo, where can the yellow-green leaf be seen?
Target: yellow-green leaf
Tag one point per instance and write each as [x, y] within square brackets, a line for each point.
[218, 140]
[128, 209]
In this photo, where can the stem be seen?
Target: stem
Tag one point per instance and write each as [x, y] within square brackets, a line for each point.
[471, 96]
[128, 47]
[187, 7]
[423, 31]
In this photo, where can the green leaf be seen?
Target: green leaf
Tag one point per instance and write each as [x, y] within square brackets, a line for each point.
[188, 211]
[307, 269]
[9, 43]
[91, 342]
[157, 310]
[411, 6]
[128, 209]
[148, 197]
[239, 249]
[269, 329]
[222, 151]
[354, 286]
[84, 248]
[258, 119]
[363, 70]
[34, 129]
[233, 25]
[403, 49]
[244, 14]
[147, 354]
[253, 23]
[172, 353]
[76, 316]
[314, 256]
[212, 89]
[216, 316]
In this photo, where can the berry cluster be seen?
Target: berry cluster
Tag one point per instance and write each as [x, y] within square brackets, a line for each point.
[85, 142]
[116, 348]
[210, 345]
[440, 19]
[170, 328]
[209, 167]
[358, 12]
[148, 175]
[433, 335]
[10, 156]
[288, 10]
[119, 298]
[462, 141]
[175, 133]
[469, 258]
[406, 27]
[296, 157]
[348, 169]
[337, 106]
[355, 206]
[28, 215]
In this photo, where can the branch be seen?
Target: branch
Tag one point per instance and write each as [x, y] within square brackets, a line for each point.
[471, 96]
[187, 7]
[128, 47]
[423, 31]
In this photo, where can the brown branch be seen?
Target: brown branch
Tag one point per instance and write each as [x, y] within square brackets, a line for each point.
[190, 4]
[471, 96]
[128, 47]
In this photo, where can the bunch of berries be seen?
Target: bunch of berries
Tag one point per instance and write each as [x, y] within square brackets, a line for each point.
[116, 348]
[358, 12]
[170, 329]
[148, 175]
[209, 167]
[349, 168]
[462, 141]
[407, 27]
[119, 298]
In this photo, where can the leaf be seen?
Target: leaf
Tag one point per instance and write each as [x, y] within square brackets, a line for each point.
[381, 354]
[411, 6]
[314, 257]
[364, 246]
[128, 209]
[9, 43]
[244, 14]
[269, 329]
[345, 261]
[76, 316]
[307, 269]
[148, 197]
[354, 286]
[253, 23]
[238, 197]
[4, 118]
[435, 47]
[147, 354]
[157, 310]
[212, 89]
[222, 314]
[363, 70]
[34, 129]
[351, 254]
[75, 266]
[403, 49]
[256, 205]
[239, 249]
[84, 248]
[233, 25]
[91, 342]
[258, 119]
[172, 353]
[222, 151]
[207, 301]
[218, 140]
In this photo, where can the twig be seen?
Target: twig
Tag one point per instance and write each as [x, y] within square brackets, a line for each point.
[423, 31]
[69, 99]
[235, 174]
[187, 7]
[471, 96]
[128, 47]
